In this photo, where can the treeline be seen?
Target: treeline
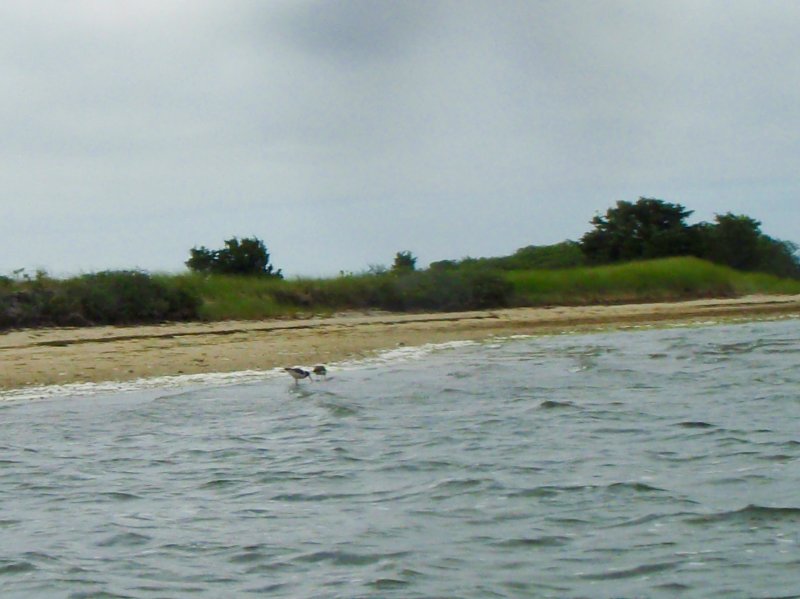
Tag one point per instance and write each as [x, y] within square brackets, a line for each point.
[239, 281]
[651, 228]
[647, 229]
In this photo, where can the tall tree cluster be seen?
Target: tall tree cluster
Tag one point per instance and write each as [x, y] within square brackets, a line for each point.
[652, 228]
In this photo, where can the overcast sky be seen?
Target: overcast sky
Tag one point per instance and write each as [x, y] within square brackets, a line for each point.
[341, 132]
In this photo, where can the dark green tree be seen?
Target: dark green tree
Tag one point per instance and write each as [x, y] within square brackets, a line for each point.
[248, 256]
[737, 241]
[650, 228]
[779, 257]
[202, 259]
[404, 262]
[733, 240]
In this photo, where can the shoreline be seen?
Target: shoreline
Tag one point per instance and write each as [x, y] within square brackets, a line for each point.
[59, 356]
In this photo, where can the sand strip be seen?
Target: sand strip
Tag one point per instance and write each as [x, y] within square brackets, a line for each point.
[96, 354]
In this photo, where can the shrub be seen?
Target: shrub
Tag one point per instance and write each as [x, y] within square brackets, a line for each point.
[451, 289]
[111, 297]
[566, 254]
[248, 256]
[125, 297]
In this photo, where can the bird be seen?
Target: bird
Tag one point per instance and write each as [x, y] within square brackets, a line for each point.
[320, 370]
[298, 373]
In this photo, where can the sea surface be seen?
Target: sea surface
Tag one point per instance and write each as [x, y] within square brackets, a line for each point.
[642, 463]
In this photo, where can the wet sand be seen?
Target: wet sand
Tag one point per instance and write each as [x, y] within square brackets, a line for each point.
[96, 354]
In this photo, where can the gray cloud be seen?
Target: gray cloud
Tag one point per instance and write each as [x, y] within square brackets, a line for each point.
[343, 132]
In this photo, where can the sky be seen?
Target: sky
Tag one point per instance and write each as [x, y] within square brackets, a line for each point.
[340, 133]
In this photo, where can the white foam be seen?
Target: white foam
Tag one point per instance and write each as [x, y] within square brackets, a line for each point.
[404, 354]
[160, 382]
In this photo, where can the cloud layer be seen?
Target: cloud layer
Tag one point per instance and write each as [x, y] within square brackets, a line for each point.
[341, 133]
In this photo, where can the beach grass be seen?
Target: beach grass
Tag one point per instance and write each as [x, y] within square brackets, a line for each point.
[130, 297]
[666, 279]
[231, 297]
[234, 297]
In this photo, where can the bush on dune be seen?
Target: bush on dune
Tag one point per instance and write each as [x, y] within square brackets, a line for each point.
[124, 297]
[110, 297]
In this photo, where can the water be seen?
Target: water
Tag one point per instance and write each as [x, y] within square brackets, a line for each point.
[653, 463]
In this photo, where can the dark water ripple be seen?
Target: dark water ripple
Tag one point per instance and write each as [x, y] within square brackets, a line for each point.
[657, 463]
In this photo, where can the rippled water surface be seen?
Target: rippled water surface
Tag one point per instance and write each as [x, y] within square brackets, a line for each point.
[655, 463]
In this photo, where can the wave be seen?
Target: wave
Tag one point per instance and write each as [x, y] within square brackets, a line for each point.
[749, 514]
[635, 572]
[16, 567]
[350, 558]
[404, 353]
[543, 541]
[695, 424]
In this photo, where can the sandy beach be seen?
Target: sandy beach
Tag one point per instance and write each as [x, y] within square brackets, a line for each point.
[96, 354]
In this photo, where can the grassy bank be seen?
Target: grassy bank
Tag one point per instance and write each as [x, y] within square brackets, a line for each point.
[131, 297]
[468, 288]
[232, 297]
[667, 279]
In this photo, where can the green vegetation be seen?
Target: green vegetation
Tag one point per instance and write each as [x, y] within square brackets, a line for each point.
[248, 256]
[404, 262]
[234, 297]
[664, 279]
[130, 297]
[637, 252]
[230, 297]
[566, 254]
[652, 228]
[121, 297]
[471, 287]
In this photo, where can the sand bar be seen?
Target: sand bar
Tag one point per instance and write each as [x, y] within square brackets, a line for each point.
[96, 354]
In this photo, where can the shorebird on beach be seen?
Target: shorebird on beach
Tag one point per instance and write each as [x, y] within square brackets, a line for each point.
[298, 373]
[320, 370]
